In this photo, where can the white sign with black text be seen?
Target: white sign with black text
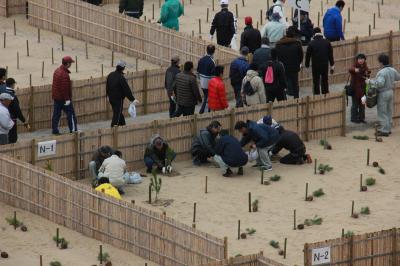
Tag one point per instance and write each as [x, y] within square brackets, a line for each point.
[47, 148]
[321, 256]
[300, 4]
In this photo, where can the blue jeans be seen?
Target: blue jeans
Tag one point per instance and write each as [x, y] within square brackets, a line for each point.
[69, 111]
[205, 101]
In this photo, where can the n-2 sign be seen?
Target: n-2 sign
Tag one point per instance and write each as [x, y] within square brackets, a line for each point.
[47, 148]
[321, 256]
[300, 4]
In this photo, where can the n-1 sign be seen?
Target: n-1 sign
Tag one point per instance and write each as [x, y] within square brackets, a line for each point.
[300, 4]
[321, 256]
[46, 148]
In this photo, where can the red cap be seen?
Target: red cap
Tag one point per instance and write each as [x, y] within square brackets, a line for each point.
[248, 20]
[68, 59]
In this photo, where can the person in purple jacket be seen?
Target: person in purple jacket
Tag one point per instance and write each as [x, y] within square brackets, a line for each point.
[333, 29]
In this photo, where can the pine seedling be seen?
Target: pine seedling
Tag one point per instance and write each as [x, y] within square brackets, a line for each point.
[370, 181]
[250, 231]
[326, 144]
[365, 210]
[361, 137]
[155, 183]
[61, 241]
[275, 178]
[349, 234]
[318, 193]
[55, 263]
[255, 206]
[382, 171]
[274, 244]
[104, 257]
[14, 221]
[169, 157]
[314, 221]
[324, 168]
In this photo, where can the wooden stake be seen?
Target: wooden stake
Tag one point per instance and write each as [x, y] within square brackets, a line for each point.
[367, 157]
[242, 3]
[261, 16]
[213, 9]
[152, 15]
[149, 194]
[42, 69]
[374, 21]
[86, 50]
[238, 229]
[249, 201]
[137, 64]
[237, 10]
[17, 60]
[57, 236]
[15, 219]
[194, 212]
[344, 25]
[306, 192]
[348, 15]
[352, 5]
[101, 254]
[102, 70]
[6, 71]
[199, 25]
[322, 8]
[62, 43]
[319, 17]
[76, 64]
[206, 186]
[225, 247]
[159, 3]
[352, 207]
[40, 260]
[315, 166]
[379, 10]
[30, 80]
[5, 37]
[284, 248]
[27, 48]
[112, 58]
[262, 176]
[52, 56]
[38, 35]
[361, 181]
[15, 28]
[294, 219]
[208, 14]
[267, 4]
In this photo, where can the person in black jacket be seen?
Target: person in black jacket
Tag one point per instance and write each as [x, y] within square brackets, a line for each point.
[250, 37]
[229, 153]
[320, 52]
[14, 109]
[117, 90]
[262, 55]
[132, 8]
[290, 141]
[203, 145]
[276, 89]
[290, 53]
[224, 24]
[306, 26]
[170, 75]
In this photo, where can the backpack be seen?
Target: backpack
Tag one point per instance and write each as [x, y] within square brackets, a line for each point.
[269, 75]
[248, 89]
[271, 11]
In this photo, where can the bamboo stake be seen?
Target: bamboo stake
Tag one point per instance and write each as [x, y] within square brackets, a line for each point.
[159, 3]
[206, 186]
[344, 25]
[379, 10]
[262, 176]
[342, 232]
[368, 157]
[374, 21]
[237, 10]
[213, 9]
[194, 212]
[76, 64]
[17, 60]
[27, 48]
[306, 192]
[348, 14]
[208, 14]
[15, 219]
[284, 248]
[102, 70]
[137, 64]
[38, 34]
[86, 50]
[101, 254]
[15, 28]
[62, 43]
[315, 166]
[52, 56]
[294, 219]
[40, 260]
[242, 3]
[149, 194]
[199, 25]
[225, 247]
[352, 207]
[361, 182]
[112, 58]
[42, 69]
[261, 16]
[322, 8]
[352, 5]
[5, 37]
[319, 17]
[57, 236]
[152, 15]
[238, 229]
[267, 4]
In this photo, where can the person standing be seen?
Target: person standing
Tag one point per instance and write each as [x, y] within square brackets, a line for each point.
[132, 8]
[253, 90]
[170, 76]
[6, 123]
[306, 26]
[274, 30]
[217, 95]
[117, 89]
[278, 7]
[62, 96]
[332, 22]
[359, 73]
[237, 72]
[275, 79]
[15, 111]
[385, 83]
[261, 56]
[250, 37]
[205, 70]
[290, 53]
[187, 91]
[224, 24]
[320, 53]
[171, 10]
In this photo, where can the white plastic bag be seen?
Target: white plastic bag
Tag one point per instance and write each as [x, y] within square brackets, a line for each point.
[252, 155]
[132, 178]
[364, 100]
[132, 110]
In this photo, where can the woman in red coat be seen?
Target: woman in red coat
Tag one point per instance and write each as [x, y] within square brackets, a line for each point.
[359, 73]
[216, 91]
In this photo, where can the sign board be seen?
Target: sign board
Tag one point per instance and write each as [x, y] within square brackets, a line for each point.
[300, 4]
[47, 148]
[321, 256]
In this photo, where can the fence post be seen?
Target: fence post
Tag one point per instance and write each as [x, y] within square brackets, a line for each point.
[307, 129]
[6, 7]
[77, 154]
[344, 114]
[31, 110]
[33, 151]
[145, 92]
[351, 250]
[115, 137]
[232, 121]
[225, 248]
[194, 126]
[270, 108]
[394, 247]
[306, 261]
[155, 127]
[391, 47]
[356, 46]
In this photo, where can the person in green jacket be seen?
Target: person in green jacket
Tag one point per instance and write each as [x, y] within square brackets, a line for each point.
[132, 8]
[170, 12]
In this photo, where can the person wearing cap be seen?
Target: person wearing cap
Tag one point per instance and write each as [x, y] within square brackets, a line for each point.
[6, 123]
[306, 26]
[14, 109]
[205, 71]
[332, 22]
[170, 76]
[278, 7]
[97, 160]
[132, 8]
[217, 94]
[203, 145]
[187, 91]
[237, 72]
[274, 30]
[320, 53]
[224, 24]
[117, 89]
[171, 10]
[250, 37]
[158, 155]
[290, 53]
[359, 74]
[62, 96]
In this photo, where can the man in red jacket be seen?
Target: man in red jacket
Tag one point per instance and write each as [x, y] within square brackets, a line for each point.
[216, 91]
[62, 96]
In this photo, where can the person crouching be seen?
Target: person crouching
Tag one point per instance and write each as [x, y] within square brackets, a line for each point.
[159, 155]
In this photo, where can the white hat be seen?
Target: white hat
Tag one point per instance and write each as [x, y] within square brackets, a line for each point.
[6, 96]
[224, 2]
[121, 63]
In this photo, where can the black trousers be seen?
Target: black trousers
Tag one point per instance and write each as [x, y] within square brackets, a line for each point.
[278, 95]
[172, 107]
[357, 110]
[184, 110]
[118, 118]
[294, 157]
[292, 79]
[12, 134]
[320, 80]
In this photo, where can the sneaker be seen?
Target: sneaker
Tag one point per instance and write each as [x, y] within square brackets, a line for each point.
[266, 168]
[382, 134]
[240, 171]
[228, 173]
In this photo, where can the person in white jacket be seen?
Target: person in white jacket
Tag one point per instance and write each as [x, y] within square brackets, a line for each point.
[6, 123]
[278, 7]
[114, 169]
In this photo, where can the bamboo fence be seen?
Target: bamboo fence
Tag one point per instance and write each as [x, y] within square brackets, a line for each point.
[12, 7]
[249, 260]
[313, 117]
[378, 248]
[148, 234]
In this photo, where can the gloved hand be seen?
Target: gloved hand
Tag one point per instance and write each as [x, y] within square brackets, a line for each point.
[27, 126]
[363, 100]
[67, 103]
[164, 170]
[169, 169]
[135, 102]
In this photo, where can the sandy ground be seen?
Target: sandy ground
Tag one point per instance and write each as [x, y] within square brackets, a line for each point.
[218, 211]
[25, 248]
[39, 52]
[359, 19]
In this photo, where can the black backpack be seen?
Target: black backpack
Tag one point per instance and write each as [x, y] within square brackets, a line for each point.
[271, 11]
[248, 89]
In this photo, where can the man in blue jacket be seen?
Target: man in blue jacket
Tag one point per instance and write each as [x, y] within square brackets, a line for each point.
[229, 153]
[333, 29]
[205, 70]
[237, 72]
[264, 138]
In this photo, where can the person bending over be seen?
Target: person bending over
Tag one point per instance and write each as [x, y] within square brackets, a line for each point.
[203, 146]
[290, 141]
[159, 155]
[114, 168]
[98, 158]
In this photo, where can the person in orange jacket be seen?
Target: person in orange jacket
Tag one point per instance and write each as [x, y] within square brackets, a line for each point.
[216, 91]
